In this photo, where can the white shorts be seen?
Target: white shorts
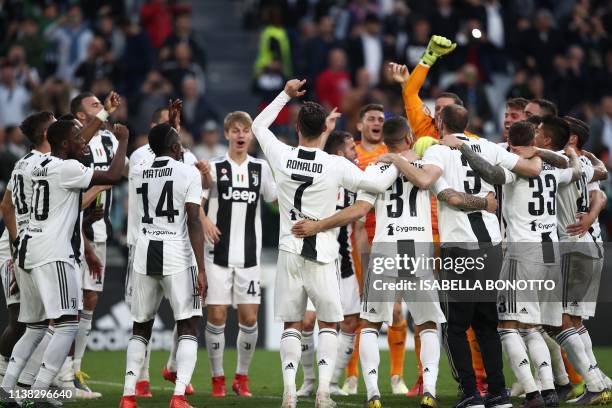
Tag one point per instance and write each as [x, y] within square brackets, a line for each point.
[129, 275]
[424, 305]
[529, 306]
[233, 286]
[180, 289]
[298, 279]
[6, 274]
[349, 296]
[52, 290]
[90, 283]
[581, 278]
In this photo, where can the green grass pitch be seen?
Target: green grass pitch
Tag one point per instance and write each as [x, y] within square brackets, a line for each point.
[106, 371]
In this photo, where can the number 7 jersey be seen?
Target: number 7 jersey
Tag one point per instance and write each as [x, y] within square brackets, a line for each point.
[163, 188]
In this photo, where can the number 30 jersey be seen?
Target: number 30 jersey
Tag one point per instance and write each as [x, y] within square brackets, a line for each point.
[163, 188]
[54, 230]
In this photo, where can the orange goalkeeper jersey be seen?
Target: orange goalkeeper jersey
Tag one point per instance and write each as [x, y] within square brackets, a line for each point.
[364, 158]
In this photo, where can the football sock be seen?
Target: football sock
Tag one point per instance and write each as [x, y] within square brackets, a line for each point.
[56, 353]
[588, 348]
[308, 354]
[246, 343]
[326, 357]
[346, 344]
[352, 368]
[30, 371]
[215, 344]
[417, 352]
[144, 370]
[538, 351]
[519, 361]
[186, 357]
[430, 357]
[570, 340]
[80, 343]
[171, 363]
[22, 351]
[136, 350]
[369, 356]
[290, 351]
[559, 373]
[396, 337]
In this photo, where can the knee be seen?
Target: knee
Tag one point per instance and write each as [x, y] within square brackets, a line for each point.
[249, 321]
[328, 325]
[90, 299]
[188, 327]
[427, 326]
[217, 315]
[143, 329]
[349, 324]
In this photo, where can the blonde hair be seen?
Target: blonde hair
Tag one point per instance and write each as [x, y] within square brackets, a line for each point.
[237, 117]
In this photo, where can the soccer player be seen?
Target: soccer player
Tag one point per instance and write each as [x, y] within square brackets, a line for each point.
[402, 216]
[168, 258]
[515, 111]
[144, 156]
[232, 261]
[339, 143]
[541, 107]
[529, 214]
[308, 180]
[49, 249]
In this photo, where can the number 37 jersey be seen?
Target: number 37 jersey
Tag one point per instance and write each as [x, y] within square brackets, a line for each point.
[163, 188]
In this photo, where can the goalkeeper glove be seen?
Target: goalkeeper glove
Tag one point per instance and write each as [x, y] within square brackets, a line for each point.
[438, 46]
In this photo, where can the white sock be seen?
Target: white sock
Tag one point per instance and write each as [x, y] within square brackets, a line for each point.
[215, 344]
[556, 358]
[308, 354]
[80, 343]
[588, 348]
[430, 359]
[136, 350]
[290, 351]
[570, 340]
[346, 345]
[56, 353]
[514, 348]
[21, 353]
[171, 364]
[30, 371]
[144, 370]
[246, 343]
[538, 351]
[186, 356]
[326, 357]
[369, 356]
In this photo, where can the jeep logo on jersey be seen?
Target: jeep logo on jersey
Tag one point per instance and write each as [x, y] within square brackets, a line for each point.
[239, 195]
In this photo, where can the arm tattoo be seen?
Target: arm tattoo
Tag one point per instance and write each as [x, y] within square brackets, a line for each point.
[462, 201]
[552, 158]
[489, 173]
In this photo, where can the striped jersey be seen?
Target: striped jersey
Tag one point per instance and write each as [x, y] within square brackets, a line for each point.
[457, 226]
[234, 206]
[5, 247]
[163, 188]
[54, 230]
[346, 198]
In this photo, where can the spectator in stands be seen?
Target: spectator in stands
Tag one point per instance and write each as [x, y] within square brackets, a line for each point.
[274, 46]
[600, 140]
[196, 108]
[472, 93]
[355, 98]
[183, 33]
[52, 96]
[156, 18]
[445, 19]
[108, 30]
[333, 83]
[155, 92]
[418, 42]
[367, 49]
[311, 59]
[396, 32]
[16, 143]
[137, 59]
[33, 43]
[181, 65]
[25, 75]
[98, 64]
[71, 36]
[14, 98]
[210, 142]
[541, 43]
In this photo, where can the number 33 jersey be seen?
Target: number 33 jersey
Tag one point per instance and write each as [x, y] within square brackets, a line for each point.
[54, 231]
[163, 188]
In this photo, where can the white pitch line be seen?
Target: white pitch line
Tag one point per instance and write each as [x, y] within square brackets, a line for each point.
[270, 397]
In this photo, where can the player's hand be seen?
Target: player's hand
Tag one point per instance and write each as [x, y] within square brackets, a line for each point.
[13, 287]
[292, 87]
[569, 151]
[94, 215]
[592, 158]
[387, 158]
[526, 152]
[94, 264]
[451, 141]
[438, 47]
[121, 132]
[305, 228]
[112, 102]
[581, 226]
[330, 120]
[203, 166]
[202, 284]
[399, 73]
[212, 234]
[174, 113]
[491, 203]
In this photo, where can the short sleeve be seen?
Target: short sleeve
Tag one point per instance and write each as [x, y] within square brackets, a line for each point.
[593, 186]
[350, 174]
[268, 183]
[189, 158]
[9, 185]
[366, 196]
[439, 186]
[588, 171]
[74, 175]
[510, 176]
[564, 176]
[434, 156]
[194, 188]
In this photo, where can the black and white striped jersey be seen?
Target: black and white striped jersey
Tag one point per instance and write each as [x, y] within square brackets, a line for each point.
[54, 230]
[457, 226]
[345, 253]
[234, 206]
[163, 188]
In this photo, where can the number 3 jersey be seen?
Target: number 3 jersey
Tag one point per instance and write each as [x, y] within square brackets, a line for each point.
[163, 188]
[234, 206]
[54, 230]
[457, 226]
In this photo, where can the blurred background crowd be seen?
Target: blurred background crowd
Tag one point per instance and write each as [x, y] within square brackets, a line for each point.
[153, 50]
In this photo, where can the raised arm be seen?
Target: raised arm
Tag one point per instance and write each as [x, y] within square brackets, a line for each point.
[468, 202]
[599, 167]
[115, 170]
[196, 237]
[421, 176]
[91, 194]
[306, 228]
[111, 103]
[378, 182]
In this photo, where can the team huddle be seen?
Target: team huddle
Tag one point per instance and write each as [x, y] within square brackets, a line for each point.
[419, 186]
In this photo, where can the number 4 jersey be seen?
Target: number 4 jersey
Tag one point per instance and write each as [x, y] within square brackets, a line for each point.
[163, 188]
